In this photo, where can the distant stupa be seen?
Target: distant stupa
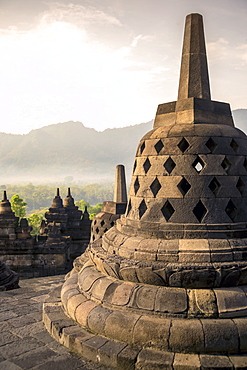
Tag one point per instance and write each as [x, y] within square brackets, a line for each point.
[166, 286]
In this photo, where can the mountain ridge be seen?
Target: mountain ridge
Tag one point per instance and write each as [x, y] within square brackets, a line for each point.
[72, 149]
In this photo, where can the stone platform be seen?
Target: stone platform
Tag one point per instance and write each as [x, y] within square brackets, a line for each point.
[116, 353]
[24, 342]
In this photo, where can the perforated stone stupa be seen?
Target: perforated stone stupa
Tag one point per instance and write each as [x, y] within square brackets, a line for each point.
[166, 286]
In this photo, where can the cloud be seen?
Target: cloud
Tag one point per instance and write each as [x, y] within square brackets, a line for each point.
[77, 14]
[242, 52]
[218, 50]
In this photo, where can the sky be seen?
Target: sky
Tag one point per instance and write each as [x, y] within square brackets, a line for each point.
[109, 63]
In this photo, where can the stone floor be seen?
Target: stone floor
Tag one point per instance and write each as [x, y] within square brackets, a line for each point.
[24, 342]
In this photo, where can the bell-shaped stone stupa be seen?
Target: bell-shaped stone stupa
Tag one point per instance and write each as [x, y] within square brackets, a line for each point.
[166, 286]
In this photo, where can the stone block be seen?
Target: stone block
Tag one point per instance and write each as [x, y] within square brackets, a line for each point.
[241, 325]
[126, 359]
[73, 303]
[122, 294]
[145, 297]
[120, 325]
[190, 257]
[171, 300]
[66, 295]
[69, 334]
[82, 311]
[129, 274]
[151, 359]
[186, 336]
[109, 352]
[193, 278]
[239, 362]
[232, 302]
[215, 362]
[221, 335]
[99, 287]
[97, 318]
[87, 277]
[152, 331]
[90, 347]
[148, 276]
[206, 302]
[186, 361]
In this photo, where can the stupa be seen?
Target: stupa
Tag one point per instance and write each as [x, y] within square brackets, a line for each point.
[111, 210]
[166, 286]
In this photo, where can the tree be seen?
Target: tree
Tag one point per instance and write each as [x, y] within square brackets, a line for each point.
[34, 220]
[18, 206]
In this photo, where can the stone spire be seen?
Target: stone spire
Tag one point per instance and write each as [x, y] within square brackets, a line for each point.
[57, 201]
[194, 80]
[120, 193]
[194, 104]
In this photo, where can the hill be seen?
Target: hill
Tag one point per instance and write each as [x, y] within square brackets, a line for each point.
[54, 152]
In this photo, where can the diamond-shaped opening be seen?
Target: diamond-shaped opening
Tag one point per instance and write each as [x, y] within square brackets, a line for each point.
[184, 186]
[146, 165]
[105, 230]
[142, 147]
[231, 210]
[102, 223]
[183, 145]
[129, 207]
[112, 223]
[155, 187]
[134, 166]
[234, 145]
[169, 165]
[245, 164]
[226, 164]
[93, 237]
[97, 230]
[240, 185]
[198, 164]
[167, 210]
[214, 186]
[94, 222]
[211, 144]
[136, 185]
[199, 211]
[158, 146]
[142, 208]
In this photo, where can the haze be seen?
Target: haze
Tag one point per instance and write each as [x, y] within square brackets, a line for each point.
[110, 63]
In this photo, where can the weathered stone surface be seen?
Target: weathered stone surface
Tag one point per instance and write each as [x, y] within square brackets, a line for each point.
[151, 359]
[184, 361]
[151, 331]
[215, 362]
[186, 335]
[171, 300]
[232, 302]
[120, 326]
[220, 335]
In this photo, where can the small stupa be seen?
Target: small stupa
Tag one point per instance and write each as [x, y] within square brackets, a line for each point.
[166, 286]
[111, 210]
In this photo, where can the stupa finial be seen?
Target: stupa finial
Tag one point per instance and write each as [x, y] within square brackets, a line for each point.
[194, 79]
[5, 195]
[120, 193]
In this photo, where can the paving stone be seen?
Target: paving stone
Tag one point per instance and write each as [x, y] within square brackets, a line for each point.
[43, 336]
[35, 357]
[8, 365]
[6, 315]
[7, 337]
[61, 362]
[27, 330]
[21, 321]
[21, 346]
